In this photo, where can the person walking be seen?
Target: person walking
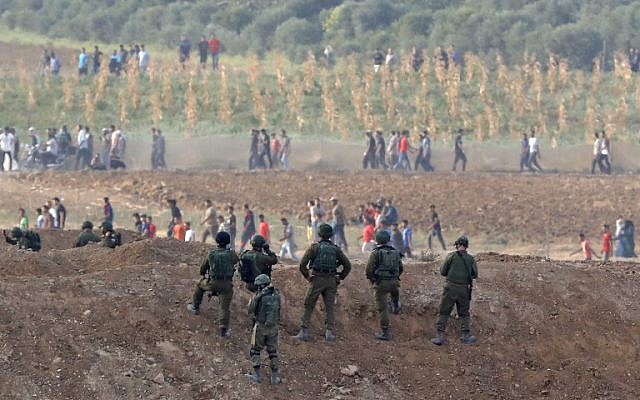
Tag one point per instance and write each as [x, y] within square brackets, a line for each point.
[324, 260]
[403, 152]
[209, 222]
[338, 222]
[383, 270]
[460, 269]
[248, 227]
[597, 155]
[524, 152]
[369, 159]
[458, 150]
[534, 152]
[288, 247]
[435, 228]
[380, 150]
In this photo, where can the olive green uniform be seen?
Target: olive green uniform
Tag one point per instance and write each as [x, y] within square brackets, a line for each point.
[324, 279]
[28, 241]
[87, 237]
[266, 317]
[384, 268]
[461, 269]
[111, 240]
[220, 286]
[264, 260]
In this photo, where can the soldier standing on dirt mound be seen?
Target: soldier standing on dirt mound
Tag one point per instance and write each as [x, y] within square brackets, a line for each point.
[217, 270]
[461, 269]
[110, 238]
[383, 271]
[27, 240]
[264, 310]
[259, 260]
[323, 258]
[87, 236]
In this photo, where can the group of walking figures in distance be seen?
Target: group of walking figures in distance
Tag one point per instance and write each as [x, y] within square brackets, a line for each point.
[324, 266]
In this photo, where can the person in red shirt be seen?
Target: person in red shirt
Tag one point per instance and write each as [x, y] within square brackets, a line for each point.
[152, 228]
[179, 230]
[368, 237]
[403, 152]
[585, 248]
[263, 228]
[606, 243]
[214, 47]
[276, 149]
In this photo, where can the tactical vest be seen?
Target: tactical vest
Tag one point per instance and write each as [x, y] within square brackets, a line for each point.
[388, 263]
[460, 270]
[268, 312]
[221, 264]
[248, 267]
[326, 259]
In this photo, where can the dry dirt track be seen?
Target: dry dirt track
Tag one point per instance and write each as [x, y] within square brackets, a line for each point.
[93, 323]
[116, 328]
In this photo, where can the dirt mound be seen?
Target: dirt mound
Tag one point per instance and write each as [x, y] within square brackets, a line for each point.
[117, 329]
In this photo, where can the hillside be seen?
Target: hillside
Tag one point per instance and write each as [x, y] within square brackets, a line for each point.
[573, 29]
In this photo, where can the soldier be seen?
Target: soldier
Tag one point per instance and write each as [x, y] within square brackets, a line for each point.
[217, 270]
[258, 260]
[28, 240]
[323, 258]
[383, 271]
[110, 238]
[87, 236]
[460, 269]
[264, 310]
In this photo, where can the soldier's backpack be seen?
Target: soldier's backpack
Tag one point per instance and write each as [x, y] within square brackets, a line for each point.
[326, 259]
[221, 264]
[248, 268]
[269, 310]
[34, 240]
[388, 263]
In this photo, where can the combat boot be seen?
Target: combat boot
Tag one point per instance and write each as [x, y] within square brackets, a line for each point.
[329, 336]
[275, 377]
[303, 335]
[439, 339]
[255, 375]
[193, 310]
[384, 335]
[467, 338]
[224, 332]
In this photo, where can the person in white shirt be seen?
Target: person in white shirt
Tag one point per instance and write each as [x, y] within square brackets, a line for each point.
[606, 153]
[190, 234]
[317, 217]
[40, 219]
[390, 60]
[83, 156]
[288, 248]
[143, 59]
[597, 154]
[54, 214]
[7, 144]
[534, 152]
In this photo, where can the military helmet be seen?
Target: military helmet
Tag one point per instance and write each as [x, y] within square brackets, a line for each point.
[16, 233]
[223, 238]
[257, 241]
[261, 280]
[106, 225]
[87, 225]
[382, 237]
[462, 241]
[325, 231]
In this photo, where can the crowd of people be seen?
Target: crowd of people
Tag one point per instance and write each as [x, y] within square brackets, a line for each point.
[623, 237]
[389, 60]
[268, 151]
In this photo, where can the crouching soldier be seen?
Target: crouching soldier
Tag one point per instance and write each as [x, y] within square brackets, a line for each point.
[460, 269]
[383, 271]
[87, 236]
[110, 238]
[217, 270]
[28, 240]
[264, 310]
[259, 260]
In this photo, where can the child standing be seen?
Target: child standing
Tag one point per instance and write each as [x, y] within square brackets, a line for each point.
[407, 238]
[606, 243]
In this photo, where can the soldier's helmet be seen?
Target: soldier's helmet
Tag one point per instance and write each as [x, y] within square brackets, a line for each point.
[382, 237]
[223, 238]
[87, 225]
[262, 280]
[462, 241]
[257, 241]
[16, 233]
[106, 225]
[325, 231]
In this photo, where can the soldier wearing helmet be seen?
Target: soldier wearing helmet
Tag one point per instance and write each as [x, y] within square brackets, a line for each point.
[460, 269]
[110, 238]
[264, 310]
[27, 240]
[258, 260]
[87, 236]
[324, 260]
[383, 271]
[216, 271]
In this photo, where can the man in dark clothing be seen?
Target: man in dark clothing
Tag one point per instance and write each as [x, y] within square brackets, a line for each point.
[380, 150]
[435, 227]
[248, 227]
[459, 152]
[369, 159]
[266, 149]
[203, 49]
[378, 60]
[253, 149]
[184, 50]
[176, 214]
[524, 152]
